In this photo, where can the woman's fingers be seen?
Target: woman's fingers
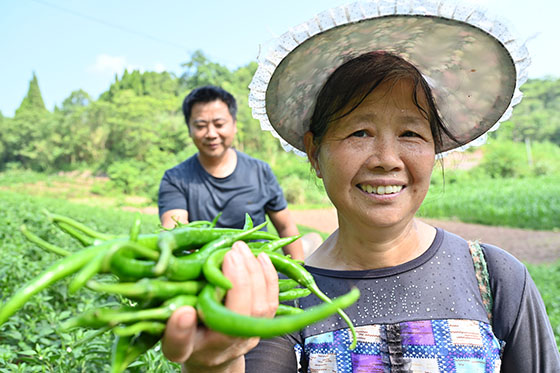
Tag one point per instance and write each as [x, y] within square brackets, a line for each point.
[271, 280]
[254, 292]
[179, 336]
[238, 299]
[253, 282]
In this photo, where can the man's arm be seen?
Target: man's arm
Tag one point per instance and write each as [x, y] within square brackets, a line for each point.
[286, 226]
[170, 218]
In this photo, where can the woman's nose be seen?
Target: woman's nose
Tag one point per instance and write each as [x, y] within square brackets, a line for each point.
[384, 154]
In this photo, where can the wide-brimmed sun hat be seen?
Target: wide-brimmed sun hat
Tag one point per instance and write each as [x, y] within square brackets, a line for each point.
[472, 62]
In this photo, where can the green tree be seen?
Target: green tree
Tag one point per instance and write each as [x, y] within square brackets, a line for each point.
[77, 99]
[200, 71]
[30, 131]
[33, 101]
[536, 117]
[158, 85]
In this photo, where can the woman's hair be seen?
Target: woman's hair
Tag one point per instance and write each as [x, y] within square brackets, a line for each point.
[353, 81]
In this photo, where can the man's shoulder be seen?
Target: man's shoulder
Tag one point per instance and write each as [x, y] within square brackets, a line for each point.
[244, 158]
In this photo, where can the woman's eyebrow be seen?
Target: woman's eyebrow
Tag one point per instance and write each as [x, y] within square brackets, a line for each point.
[413, 119]
[404, 118]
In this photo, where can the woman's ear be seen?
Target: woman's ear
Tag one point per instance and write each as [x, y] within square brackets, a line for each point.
[311, 149]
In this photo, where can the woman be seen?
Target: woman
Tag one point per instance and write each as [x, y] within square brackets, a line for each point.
[372, 103]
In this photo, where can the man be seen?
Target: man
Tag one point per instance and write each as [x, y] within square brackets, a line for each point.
[220, 178]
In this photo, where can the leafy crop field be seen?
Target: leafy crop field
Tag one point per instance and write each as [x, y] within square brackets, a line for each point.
[531, 202]
[31, 341]
[547, 278]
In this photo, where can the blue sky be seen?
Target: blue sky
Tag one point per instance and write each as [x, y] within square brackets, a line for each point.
[83, 44]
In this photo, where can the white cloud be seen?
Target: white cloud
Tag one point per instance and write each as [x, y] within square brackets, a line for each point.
[159, 67]
[111, 65]
[108, 64]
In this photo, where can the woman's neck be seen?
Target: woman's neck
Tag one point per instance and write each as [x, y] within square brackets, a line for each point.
[350, 248]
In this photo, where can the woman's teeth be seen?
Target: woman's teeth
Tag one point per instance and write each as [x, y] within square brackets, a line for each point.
[381, 189]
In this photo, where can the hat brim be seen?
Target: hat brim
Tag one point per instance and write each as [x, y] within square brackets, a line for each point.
[473, 75]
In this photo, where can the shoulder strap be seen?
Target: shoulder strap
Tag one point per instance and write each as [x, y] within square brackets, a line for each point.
[482, 276]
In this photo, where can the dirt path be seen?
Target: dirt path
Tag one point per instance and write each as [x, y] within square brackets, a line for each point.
[527, 245]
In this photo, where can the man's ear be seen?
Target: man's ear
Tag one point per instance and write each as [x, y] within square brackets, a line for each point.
[311, 149]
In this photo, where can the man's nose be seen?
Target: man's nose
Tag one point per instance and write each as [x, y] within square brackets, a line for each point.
[211, 131]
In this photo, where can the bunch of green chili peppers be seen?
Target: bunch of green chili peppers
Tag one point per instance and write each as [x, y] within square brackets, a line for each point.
[163, 271]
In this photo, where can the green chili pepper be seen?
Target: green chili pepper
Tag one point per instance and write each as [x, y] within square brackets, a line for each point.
[87, 272]
[199, 223]
[79, 226]
[151, 327]
[74, 233]
[127, 268]
[215, 220]
[284, 309]
[219, 318]
[248, 222]
[212, 271]
[135, 229]
[42, 243]
[166, 244]
[297, 272]
[189, 267]
[212, 265]
[279, 243]
[101, 317]
[60, 269]
[286, 284]
[127, 349]
[293, 294]
[149, 288]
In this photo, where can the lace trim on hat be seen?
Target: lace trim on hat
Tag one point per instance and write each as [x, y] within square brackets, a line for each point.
[275, 50]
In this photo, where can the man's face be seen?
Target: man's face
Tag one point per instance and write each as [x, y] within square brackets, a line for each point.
[212, 128]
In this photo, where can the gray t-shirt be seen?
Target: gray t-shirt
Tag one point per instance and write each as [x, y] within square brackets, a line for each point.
[252, 188]
[426, 315]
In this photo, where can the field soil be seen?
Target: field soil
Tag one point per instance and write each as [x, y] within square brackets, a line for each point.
[536, 247]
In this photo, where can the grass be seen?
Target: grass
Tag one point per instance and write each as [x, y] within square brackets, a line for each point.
[547, 279]
[531, 202]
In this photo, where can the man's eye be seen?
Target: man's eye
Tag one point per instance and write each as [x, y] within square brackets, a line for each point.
[360, 133]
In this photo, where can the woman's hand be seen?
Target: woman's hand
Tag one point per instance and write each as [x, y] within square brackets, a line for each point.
[254, 293]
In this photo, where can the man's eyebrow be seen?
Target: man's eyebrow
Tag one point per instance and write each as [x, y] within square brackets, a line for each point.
[205, 121]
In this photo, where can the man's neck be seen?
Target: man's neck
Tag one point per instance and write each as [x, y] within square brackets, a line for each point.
[222, 166]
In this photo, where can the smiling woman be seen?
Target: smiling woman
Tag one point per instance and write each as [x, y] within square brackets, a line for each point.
[377, 151]
[372, 148]
[372, 93]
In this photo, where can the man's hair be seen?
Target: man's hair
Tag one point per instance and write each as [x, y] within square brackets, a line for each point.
[207, 94]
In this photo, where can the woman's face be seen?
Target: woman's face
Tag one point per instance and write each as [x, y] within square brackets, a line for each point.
[377, 161]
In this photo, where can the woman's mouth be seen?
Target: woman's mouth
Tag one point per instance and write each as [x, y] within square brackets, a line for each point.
[380, 189]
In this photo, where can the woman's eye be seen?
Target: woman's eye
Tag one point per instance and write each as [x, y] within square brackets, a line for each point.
[410, 134]
[360, 133]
